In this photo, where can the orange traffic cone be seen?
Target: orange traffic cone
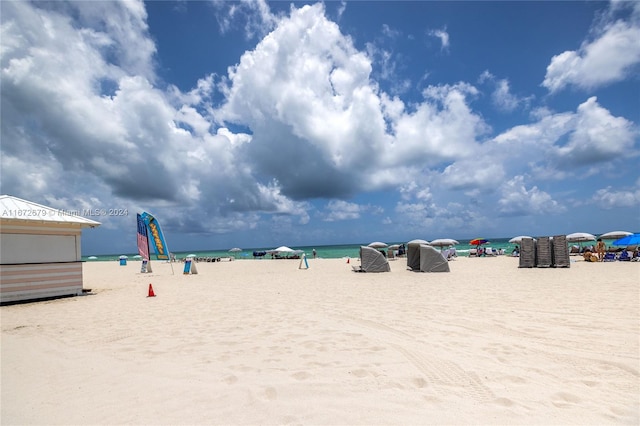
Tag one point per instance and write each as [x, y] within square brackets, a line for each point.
[151, 293]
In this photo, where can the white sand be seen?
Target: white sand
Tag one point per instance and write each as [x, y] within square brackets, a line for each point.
[261, 342]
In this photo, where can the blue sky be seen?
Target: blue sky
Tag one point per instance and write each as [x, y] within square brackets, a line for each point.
[257, 124]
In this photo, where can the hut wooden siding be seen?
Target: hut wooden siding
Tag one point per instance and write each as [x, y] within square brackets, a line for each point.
[40, 257]
[40, 281]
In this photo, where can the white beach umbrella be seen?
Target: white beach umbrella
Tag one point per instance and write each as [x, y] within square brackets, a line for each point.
[283, 249]
[377, 244]
[235, 250]
[92, 257]
[615, 235]
[417, 242]
[518, 239]
[443, 242]
[191, 255]
[577, 237]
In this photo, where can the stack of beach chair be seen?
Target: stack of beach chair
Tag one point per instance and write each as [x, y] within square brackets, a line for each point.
[527, 253]
[560, 252]
[543, 252]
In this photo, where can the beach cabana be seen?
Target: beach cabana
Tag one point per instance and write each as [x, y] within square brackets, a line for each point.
[431, 260]
[413, 253]
[40, 253]
[371, 260]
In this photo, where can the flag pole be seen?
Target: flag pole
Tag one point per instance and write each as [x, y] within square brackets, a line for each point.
[148, 248]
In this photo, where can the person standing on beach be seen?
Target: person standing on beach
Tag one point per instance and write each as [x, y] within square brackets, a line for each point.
[314, 253]
[600, 249]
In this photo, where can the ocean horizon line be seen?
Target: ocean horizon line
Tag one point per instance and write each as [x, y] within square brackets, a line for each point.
[500, 242]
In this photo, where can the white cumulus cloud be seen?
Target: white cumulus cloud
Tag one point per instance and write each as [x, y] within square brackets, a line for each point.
[612, 54]
[516, 199]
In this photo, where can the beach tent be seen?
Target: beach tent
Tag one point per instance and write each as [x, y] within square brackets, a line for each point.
[282, 249]
[431, 260]
[413, 254]
[372, 260]
[285, 252]
[40, 252]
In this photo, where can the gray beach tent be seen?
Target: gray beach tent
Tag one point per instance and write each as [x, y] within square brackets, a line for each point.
[431, 260]
[413, 254]
[372, 260]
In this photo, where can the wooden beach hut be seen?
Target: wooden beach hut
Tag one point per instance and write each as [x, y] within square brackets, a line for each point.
[40, 254]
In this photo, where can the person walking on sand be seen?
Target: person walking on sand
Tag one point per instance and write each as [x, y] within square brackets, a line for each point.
[600, 249]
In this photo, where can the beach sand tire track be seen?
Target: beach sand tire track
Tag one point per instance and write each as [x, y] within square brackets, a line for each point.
[450, 374]
[435, 369]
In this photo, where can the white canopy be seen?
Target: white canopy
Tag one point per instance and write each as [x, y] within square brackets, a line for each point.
[443, 242]
[377, 244]
[518, 239]
[580, 236]
[615, 235]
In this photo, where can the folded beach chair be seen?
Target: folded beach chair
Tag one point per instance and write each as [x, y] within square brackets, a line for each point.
[543, 252]
[449, 254]
[609, 256]
[560, 251]
[624, 256]
[527, 253]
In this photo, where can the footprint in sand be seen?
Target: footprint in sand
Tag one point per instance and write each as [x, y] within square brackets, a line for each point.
[505, 402]
[301, 375]
[360, 373]
[564, 399]
[514, 379]
[230, 379]
[420, 382]
[270, 393]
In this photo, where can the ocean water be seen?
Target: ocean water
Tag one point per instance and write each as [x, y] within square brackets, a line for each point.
[323, 252]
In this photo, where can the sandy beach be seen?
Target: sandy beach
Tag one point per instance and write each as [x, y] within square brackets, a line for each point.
[263, 342]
